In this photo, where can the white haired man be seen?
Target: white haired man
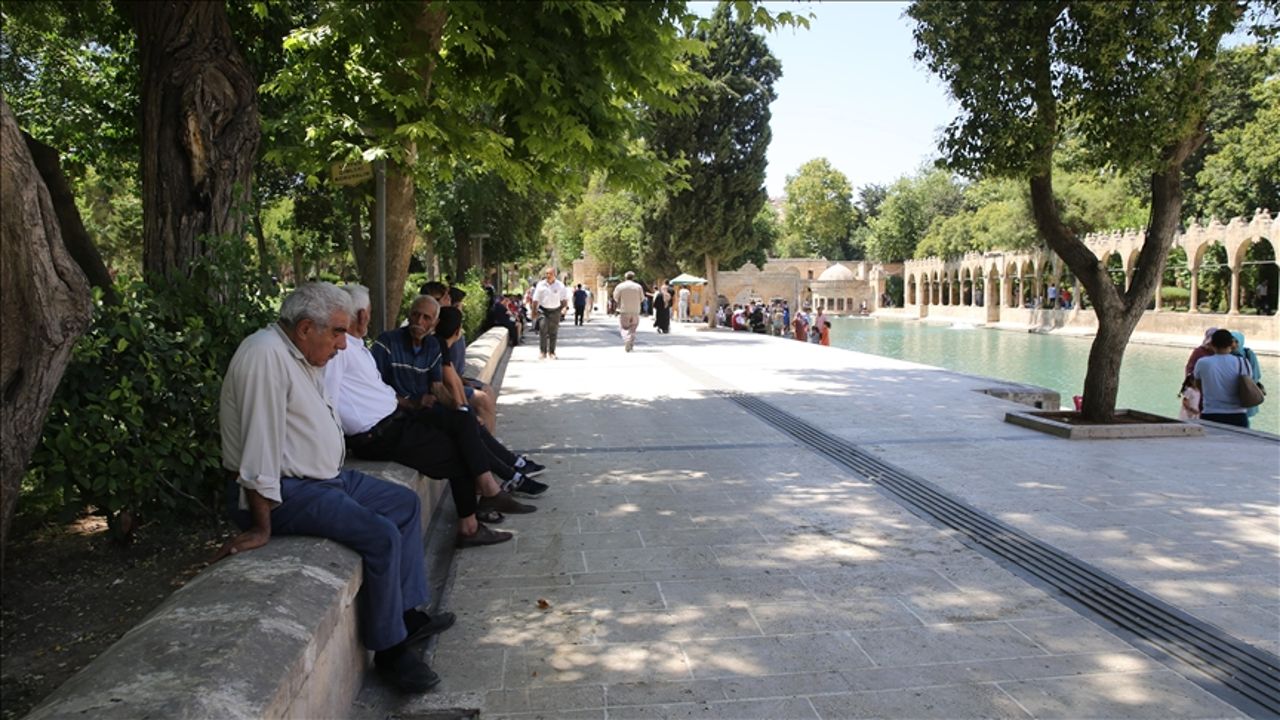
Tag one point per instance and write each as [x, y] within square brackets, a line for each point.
[444, 444]
[282, 441]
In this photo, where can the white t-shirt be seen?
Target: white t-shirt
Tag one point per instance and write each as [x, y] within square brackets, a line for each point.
[684, 296]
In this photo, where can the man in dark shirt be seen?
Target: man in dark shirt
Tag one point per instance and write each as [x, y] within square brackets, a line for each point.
[579, 304]
[411, 361]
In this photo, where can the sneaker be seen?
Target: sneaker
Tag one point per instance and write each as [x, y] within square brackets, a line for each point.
[527, 486]
[403, 668]
[529, 468]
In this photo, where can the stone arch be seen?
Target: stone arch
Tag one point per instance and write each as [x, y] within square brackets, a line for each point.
[910, 290]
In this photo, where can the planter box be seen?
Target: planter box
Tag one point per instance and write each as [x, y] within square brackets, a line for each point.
[1129, 424]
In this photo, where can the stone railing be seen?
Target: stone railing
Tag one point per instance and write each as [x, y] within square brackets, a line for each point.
[266, 634]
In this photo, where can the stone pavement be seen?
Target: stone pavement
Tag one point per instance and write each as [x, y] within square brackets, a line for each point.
[692, 561]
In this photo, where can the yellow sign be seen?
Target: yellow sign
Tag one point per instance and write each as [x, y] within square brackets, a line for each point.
[350, 173]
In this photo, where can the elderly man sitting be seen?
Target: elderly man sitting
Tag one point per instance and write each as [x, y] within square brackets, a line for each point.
[411, 360]
[282, 441]
[444, 445]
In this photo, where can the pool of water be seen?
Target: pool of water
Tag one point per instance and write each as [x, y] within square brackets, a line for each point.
[1150, 376]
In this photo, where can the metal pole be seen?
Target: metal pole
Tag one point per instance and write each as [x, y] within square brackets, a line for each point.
[380, 240]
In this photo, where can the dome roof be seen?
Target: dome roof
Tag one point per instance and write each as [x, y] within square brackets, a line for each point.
[836, 272]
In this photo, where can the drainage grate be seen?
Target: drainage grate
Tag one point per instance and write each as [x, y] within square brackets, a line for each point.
[1241, 674]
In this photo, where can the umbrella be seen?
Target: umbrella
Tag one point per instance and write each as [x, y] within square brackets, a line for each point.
[687, 279]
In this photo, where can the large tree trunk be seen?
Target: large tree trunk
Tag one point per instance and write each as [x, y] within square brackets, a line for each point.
[200, 130]
[402, 232]
[77, 239]
[46, 307]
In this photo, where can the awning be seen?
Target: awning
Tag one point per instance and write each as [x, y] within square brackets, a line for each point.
[687, 279]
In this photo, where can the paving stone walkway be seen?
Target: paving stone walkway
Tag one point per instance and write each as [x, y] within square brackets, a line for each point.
[692, 561]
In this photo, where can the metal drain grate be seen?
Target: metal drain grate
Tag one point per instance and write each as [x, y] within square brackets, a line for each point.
[1241, 674]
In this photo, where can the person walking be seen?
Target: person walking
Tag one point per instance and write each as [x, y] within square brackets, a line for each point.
[661, 309]
[627, 296]
[579, 304]
[550, 298]
[683, 304]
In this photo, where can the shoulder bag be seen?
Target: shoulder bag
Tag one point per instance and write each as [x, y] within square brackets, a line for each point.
[1251, 393]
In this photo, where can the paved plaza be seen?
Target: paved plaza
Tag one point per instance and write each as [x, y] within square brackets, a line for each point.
[691, 560]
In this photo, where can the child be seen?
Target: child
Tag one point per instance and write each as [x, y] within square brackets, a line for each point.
[1190, 409]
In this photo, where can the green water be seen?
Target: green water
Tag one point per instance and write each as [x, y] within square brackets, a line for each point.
[1149, 378]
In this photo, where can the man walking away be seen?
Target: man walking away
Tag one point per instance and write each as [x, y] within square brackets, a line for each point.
[628, 296]
[579, 304]
[550, 298]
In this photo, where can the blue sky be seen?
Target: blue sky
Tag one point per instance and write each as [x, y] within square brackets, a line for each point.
[852, 92]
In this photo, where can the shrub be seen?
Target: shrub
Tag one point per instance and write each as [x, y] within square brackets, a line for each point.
[134, 423]
[1174, 296]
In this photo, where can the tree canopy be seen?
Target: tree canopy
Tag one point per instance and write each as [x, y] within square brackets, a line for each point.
[819, 213]
[721, 148]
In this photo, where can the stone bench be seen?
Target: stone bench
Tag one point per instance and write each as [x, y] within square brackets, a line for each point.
[267, 634]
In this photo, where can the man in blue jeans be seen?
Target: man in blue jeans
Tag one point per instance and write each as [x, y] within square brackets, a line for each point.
[282, 441]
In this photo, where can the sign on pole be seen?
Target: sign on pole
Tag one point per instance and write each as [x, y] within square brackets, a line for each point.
[351, 173]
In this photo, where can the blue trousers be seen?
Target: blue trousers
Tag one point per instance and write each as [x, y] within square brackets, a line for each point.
[380, 520]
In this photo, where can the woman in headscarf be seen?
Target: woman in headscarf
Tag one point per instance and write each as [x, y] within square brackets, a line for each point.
[1204, 350]
[661, 308]
[1251, 359]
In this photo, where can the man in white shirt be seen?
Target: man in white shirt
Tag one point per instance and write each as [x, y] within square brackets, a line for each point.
[683, 304]
[627, 296]
[550, 298]
[442, 443]
[282, 440]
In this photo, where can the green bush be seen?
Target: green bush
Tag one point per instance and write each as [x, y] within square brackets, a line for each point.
[134, 423]
[1173, 297]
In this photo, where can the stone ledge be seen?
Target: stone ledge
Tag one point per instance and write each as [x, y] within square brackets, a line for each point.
[267, 634]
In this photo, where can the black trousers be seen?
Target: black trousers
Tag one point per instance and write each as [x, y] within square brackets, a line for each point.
[577, 314]
[437, 443]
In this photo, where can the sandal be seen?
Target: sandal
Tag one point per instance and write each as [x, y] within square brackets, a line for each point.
[489, 515]
[483, 536]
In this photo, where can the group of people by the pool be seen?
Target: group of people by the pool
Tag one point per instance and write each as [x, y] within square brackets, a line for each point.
[1213, 378]
[302, 392]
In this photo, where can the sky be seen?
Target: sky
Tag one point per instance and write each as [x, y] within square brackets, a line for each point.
[852, 92]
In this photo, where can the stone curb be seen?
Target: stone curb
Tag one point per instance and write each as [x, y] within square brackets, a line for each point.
[266, 634]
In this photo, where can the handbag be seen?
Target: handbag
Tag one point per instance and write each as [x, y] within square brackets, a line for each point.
[1251, 393]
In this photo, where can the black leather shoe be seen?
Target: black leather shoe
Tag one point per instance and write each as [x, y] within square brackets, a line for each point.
[422, 626]
[405, 670]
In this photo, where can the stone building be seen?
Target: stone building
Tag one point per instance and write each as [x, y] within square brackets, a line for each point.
[839, 288]
[1010, 288]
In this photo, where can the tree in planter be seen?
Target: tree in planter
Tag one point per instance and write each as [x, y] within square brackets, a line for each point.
[1127, 78]
[711, 219]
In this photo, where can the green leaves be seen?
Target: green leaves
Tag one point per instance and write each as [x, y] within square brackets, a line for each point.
[134, 422]
[819, 212]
